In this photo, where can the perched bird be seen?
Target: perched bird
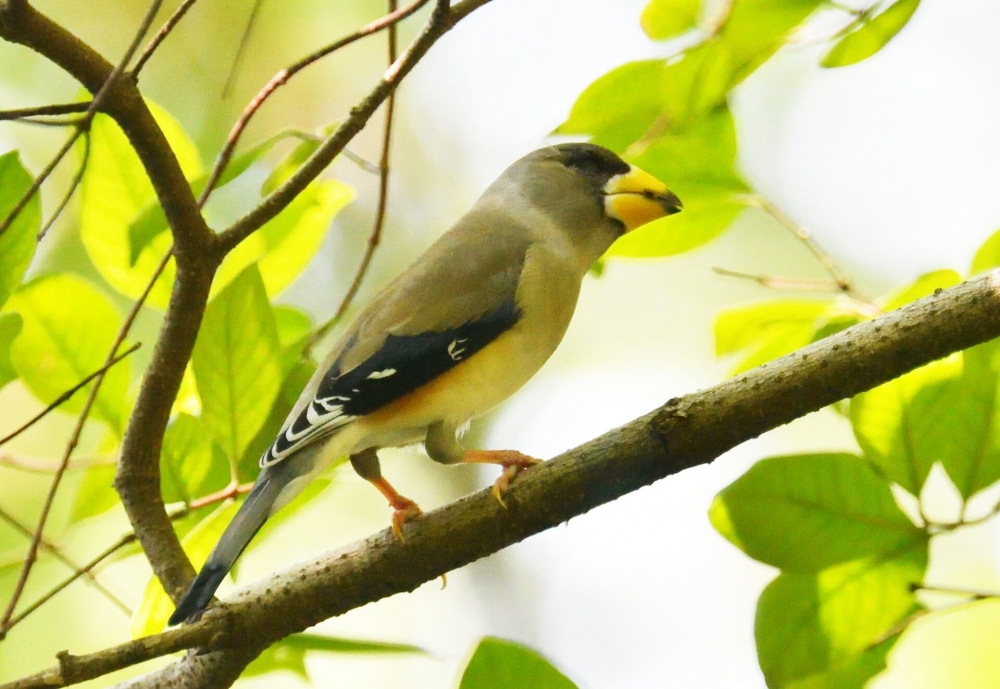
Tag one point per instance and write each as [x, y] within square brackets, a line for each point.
[465, 326]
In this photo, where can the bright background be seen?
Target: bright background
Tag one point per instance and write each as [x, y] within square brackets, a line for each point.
[894, 164]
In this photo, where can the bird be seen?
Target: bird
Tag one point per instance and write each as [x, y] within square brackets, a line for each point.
[459, 331]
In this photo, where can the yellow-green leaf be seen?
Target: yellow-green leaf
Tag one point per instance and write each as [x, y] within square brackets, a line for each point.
[17, 243]
[69, 326]
[668, 18]
[237, 363]
[115, 192]
[871, 36]
[155, 607]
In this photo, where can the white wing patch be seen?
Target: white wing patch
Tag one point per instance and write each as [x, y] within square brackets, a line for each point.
[377, 375]
[454, 351]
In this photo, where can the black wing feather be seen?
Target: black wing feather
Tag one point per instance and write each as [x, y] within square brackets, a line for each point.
[401, 365]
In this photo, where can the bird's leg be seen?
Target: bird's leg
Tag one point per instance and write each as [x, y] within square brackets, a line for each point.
[443, 447]
[367, 465]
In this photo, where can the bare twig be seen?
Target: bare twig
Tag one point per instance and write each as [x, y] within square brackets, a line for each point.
[56, 553]
[69, 393]
[781, 283]
[227, 88]
[383, 199]
[841, 278]
[957, 591]
[68, 196]
[282, 77]
[161, 35]
[44, 111]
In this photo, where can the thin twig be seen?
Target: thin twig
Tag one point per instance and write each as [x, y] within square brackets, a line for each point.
[69, 393]
[841, 278]
[227, 88]
[282, 77]
[380, 211]
[73, 186]
[772, 282]
[88, 117]
[68, 121]
[957, 591]
[115, 600]
[44, 111]
[164, 31]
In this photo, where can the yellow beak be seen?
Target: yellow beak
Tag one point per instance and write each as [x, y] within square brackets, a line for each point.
[636, 198]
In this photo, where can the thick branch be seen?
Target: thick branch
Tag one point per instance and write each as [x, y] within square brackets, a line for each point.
[683, 433]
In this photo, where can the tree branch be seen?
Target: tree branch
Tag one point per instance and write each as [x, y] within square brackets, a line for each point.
[683, 433]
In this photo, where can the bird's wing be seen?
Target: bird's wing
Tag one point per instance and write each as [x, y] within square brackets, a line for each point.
[459, 297]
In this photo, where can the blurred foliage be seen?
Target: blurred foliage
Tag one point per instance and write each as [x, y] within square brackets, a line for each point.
[850, 558]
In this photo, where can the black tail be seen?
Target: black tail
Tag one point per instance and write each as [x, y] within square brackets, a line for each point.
[247, 522]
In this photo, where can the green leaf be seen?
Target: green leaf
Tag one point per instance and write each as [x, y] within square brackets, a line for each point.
[668, 18]
[807, 512]
[872, 36]
[69, 326]
[833, 628]
[290, 653]
[236, 363]
[500, 664]
[155, 607]
[923, 286]
[933, 414]
[987, 256]
[10, 327]
[17, 243]
[115, 190]
[186, 461]
[284, 246]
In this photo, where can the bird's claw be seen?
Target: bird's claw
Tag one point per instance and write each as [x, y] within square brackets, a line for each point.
[401, 515]
[512, 466]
